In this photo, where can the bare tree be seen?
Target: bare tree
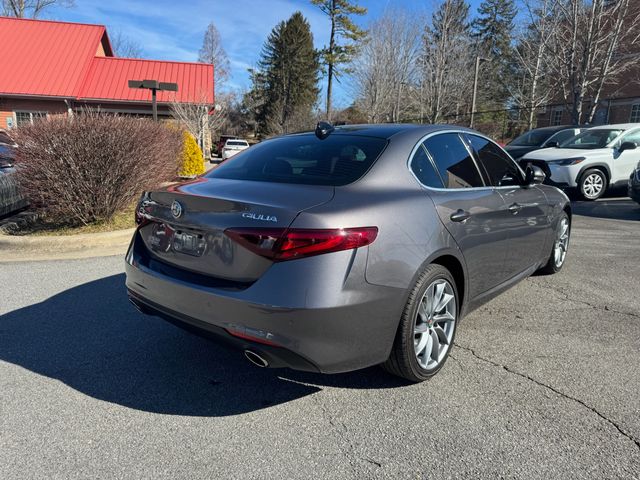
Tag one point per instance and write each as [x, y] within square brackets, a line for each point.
[124, 46]
[30, 8]
[386, 64]
[531, 88]
[446, 61]
[214, 53]
[201, 119]
[597, 43]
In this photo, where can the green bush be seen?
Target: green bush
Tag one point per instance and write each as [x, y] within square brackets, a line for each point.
[192, 160]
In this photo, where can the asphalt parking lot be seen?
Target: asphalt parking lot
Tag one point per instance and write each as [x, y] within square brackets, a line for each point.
[544, 382]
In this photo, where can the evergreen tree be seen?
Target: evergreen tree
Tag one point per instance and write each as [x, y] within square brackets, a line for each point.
[336, 54]
[285, 86]
[493, 30]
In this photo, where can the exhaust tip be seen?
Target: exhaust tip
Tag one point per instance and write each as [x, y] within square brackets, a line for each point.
[256, 359]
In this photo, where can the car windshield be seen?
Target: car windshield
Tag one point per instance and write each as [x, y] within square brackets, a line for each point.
[304, 159]
[591, 139]
[237, 143]
[532, 138]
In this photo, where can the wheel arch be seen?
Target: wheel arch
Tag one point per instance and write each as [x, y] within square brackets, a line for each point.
[603, 167]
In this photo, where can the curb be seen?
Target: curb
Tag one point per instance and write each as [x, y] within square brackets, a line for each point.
[64, 247]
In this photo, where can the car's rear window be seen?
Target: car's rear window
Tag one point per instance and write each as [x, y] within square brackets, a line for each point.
[237, 143]
[304, 159]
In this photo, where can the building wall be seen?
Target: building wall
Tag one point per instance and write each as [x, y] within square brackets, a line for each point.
[8, 107]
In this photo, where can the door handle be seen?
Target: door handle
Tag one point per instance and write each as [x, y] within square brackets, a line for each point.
[460, 215]
[514, 208]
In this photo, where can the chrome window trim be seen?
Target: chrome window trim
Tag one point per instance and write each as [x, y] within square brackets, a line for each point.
[444, 189]
[509, 157]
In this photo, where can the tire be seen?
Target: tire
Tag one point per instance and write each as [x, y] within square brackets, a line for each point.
[555, 264]
[405, 360]
[593, 183]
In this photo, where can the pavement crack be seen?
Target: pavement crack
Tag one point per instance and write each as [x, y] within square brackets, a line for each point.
[565, 296]
[342, 432]
[554, 390]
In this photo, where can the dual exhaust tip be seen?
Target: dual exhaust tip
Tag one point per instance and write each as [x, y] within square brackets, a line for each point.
[257, 359]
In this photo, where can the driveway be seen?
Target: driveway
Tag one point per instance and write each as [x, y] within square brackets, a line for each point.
[544, 382]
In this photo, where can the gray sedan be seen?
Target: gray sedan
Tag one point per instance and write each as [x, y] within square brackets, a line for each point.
[346, 247]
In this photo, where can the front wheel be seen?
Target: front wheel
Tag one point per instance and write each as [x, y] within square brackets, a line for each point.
[593, 183]
[560, 246]
[427, 326]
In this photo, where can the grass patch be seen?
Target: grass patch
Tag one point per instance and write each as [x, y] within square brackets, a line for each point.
[120, 221]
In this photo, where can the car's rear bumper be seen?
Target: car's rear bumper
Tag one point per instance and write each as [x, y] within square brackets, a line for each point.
[327, 319]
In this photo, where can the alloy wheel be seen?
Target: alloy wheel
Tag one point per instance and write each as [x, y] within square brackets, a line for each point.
[592, 185]
[435, 324]
[561, 243]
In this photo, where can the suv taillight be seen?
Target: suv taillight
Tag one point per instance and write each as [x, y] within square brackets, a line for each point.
[281, 244]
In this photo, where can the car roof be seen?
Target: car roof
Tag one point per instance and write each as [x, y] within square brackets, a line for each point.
[617, 126]
[388, 130]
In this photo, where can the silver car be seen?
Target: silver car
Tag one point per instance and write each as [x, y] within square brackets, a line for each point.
[346, 247]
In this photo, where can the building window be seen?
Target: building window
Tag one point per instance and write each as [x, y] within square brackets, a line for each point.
[22, 118]
[635, 113]
[556, 117]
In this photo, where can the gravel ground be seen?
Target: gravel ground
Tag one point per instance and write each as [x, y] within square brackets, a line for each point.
[543, 383]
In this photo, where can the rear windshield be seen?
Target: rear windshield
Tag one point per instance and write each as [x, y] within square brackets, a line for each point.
[239, 143]
[304, 159]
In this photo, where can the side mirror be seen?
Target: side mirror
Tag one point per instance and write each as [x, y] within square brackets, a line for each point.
[552, 144]
[627, 146]
[534, 175]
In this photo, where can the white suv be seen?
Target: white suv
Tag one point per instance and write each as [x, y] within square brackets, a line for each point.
[598, 158]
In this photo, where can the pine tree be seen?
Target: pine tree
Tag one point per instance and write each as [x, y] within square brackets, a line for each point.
[335, 55]
[493, 30]
[285, 86]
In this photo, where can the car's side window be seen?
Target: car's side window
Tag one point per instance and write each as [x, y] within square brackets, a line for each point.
[456, 166]
[423, 169]
[499, 169]
[563, 136]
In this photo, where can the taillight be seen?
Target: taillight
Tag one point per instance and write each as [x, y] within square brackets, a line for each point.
[279, 244]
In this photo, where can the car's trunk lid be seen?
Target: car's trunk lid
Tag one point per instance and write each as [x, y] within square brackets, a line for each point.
[187, 223]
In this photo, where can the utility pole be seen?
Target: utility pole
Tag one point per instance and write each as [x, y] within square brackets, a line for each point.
[475, 88]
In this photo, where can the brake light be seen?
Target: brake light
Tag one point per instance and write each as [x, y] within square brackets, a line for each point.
[279, 244]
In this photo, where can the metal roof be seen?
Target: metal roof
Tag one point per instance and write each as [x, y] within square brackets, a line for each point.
[108, 78]
[72, 60]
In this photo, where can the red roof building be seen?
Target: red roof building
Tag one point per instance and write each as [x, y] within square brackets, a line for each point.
[49, 67]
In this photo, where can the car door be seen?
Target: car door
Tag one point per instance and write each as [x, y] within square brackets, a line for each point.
[625, 162]
[466, 206]
[525, 211]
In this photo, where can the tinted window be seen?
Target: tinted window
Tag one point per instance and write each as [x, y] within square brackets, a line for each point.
[457, 168]
[500, 170]
[532, 138]
[237, 143]
[305, 159]
[423, 169]
[562, 136]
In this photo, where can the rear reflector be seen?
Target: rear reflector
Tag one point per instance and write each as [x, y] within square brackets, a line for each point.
[279, 244]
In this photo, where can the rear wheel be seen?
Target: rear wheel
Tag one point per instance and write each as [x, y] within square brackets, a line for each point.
[560, 246]
[593, 183]
[427, 327]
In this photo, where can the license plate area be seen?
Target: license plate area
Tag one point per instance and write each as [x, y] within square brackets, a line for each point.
[189, 243]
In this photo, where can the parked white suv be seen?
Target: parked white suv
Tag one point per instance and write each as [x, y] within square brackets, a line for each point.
[233, 146]
[593, 161]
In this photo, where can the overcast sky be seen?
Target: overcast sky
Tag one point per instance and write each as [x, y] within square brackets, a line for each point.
[173, 29]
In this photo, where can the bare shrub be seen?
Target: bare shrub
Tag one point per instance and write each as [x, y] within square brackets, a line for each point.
[86, 168]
